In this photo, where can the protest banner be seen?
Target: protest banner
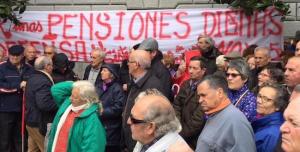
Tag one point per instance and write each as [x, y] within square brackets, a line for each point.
[75, 33]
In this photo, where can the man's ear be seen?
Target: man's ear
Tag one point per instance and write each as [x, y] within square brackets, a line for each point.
[150, 128]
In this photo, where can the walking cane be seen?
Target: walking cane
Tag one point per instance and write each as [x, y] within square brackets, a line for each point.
[23, 122]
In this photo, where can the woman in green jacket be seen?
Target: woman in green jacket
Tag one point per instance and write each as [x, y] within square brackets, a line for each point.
[76, 126]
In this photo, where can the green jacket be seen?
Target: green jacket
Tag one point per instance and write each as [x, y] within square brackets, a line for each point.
[87, 133]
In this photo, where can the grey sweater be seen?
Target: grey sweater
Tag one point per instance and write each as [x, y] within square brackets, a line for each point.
[226, 131]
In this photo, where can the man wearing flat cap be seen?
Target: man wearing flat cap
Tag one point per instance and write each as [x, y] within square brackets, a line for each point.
[13, 76]
[157, 68]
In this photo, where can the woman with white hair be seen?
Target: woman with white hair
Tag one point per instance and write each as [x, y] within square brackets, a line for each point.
[76, 126]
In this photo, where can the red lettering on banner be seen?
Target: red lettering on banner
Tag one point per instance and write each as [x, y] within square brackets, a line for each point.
[277, 29]
[29, 27]
[7, 34]
[88, 25]
[206, 26]
[154, 24]
[259, 21]
[79, 52]
[218, 24]
[104, 24]
[164, 24]
[67, 26]
[188, 26]
[276, 48]
[119, 36]
[52, 22]
[131, 26]
[65, 47]
[231, 23]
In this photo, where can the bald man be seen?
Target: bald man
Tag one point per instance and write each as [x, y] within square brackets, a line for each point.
[139, 62]
[152, 112]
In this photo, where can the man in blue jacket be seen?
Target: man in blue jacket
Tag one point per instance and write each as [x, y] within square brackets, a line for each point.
[13, 76]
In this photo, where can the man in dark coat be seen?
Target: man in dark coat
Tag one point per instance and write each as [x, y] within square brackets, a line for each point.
[157, 67]
[40, 106]
[186, 104]
[13, 77]
[138, 63]
[208, 50]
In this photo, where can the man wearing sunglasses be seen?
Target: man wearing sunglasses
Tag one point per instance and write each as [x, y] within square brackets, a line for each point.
[154, 124]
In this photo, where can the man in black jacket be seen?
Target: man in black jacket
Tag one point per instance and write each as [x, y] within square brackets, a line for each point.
[40, 106]
[157, 67]
[138, 63]
[13, 76]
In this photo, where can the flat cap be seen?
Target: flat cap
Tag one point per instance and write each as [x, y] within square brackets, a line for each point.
[233, 55]
[16, 50]
[149, 44]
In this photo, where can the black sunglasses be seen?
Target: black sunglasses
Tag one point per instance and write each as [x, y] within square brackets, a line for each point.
[232, 74]
[136, 121]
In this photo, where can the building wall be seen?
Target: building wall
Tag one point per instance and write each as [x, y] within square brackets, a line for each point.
[291, 24]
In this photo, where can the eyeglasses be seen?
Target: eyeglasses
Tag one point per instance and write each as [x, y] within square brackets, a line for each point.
[48, 52]
[264, 98]
[234, 75]
[136, 121]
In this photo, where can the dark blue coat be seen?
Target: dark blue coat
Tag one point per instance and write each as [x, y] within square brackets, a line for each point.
[10, 91]
[40, 106]
[113, 100]
[267, 131]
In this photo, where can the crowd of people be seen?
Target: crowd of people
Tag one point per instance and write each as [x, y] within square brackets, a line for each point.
[208, 102]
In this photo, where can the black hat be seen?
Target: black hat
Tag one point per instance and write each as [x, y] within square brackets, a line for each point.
[60, 61]
[16, 50]
[149, 44]
[113, 68]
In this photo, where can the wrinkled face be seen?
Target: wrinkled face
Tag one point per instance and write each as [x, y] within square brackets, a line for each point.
[261, 58]
[49, 68]
[132, 64]
[251, 63]
[234, 79]
[290, 129]
[263, 77]
[265, 101]
[106, 75]
[75, 98]
[297, 51]
[208, 98]
[49, 52]
[96, 59]
[203, 45]
[30, 53]
[137, 124]
[196, 72]
[15, 59]
[292, 72]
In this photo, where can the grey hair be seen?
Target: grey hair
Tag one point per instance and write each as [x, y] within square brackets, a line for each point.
[208, 39]
[53, 47]
[297, 88]
[263, 49]
[164, 117]
[87, 92]
[282, 96]
[241, 66]
[41, 62]
[145, 63]
[102, 54]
